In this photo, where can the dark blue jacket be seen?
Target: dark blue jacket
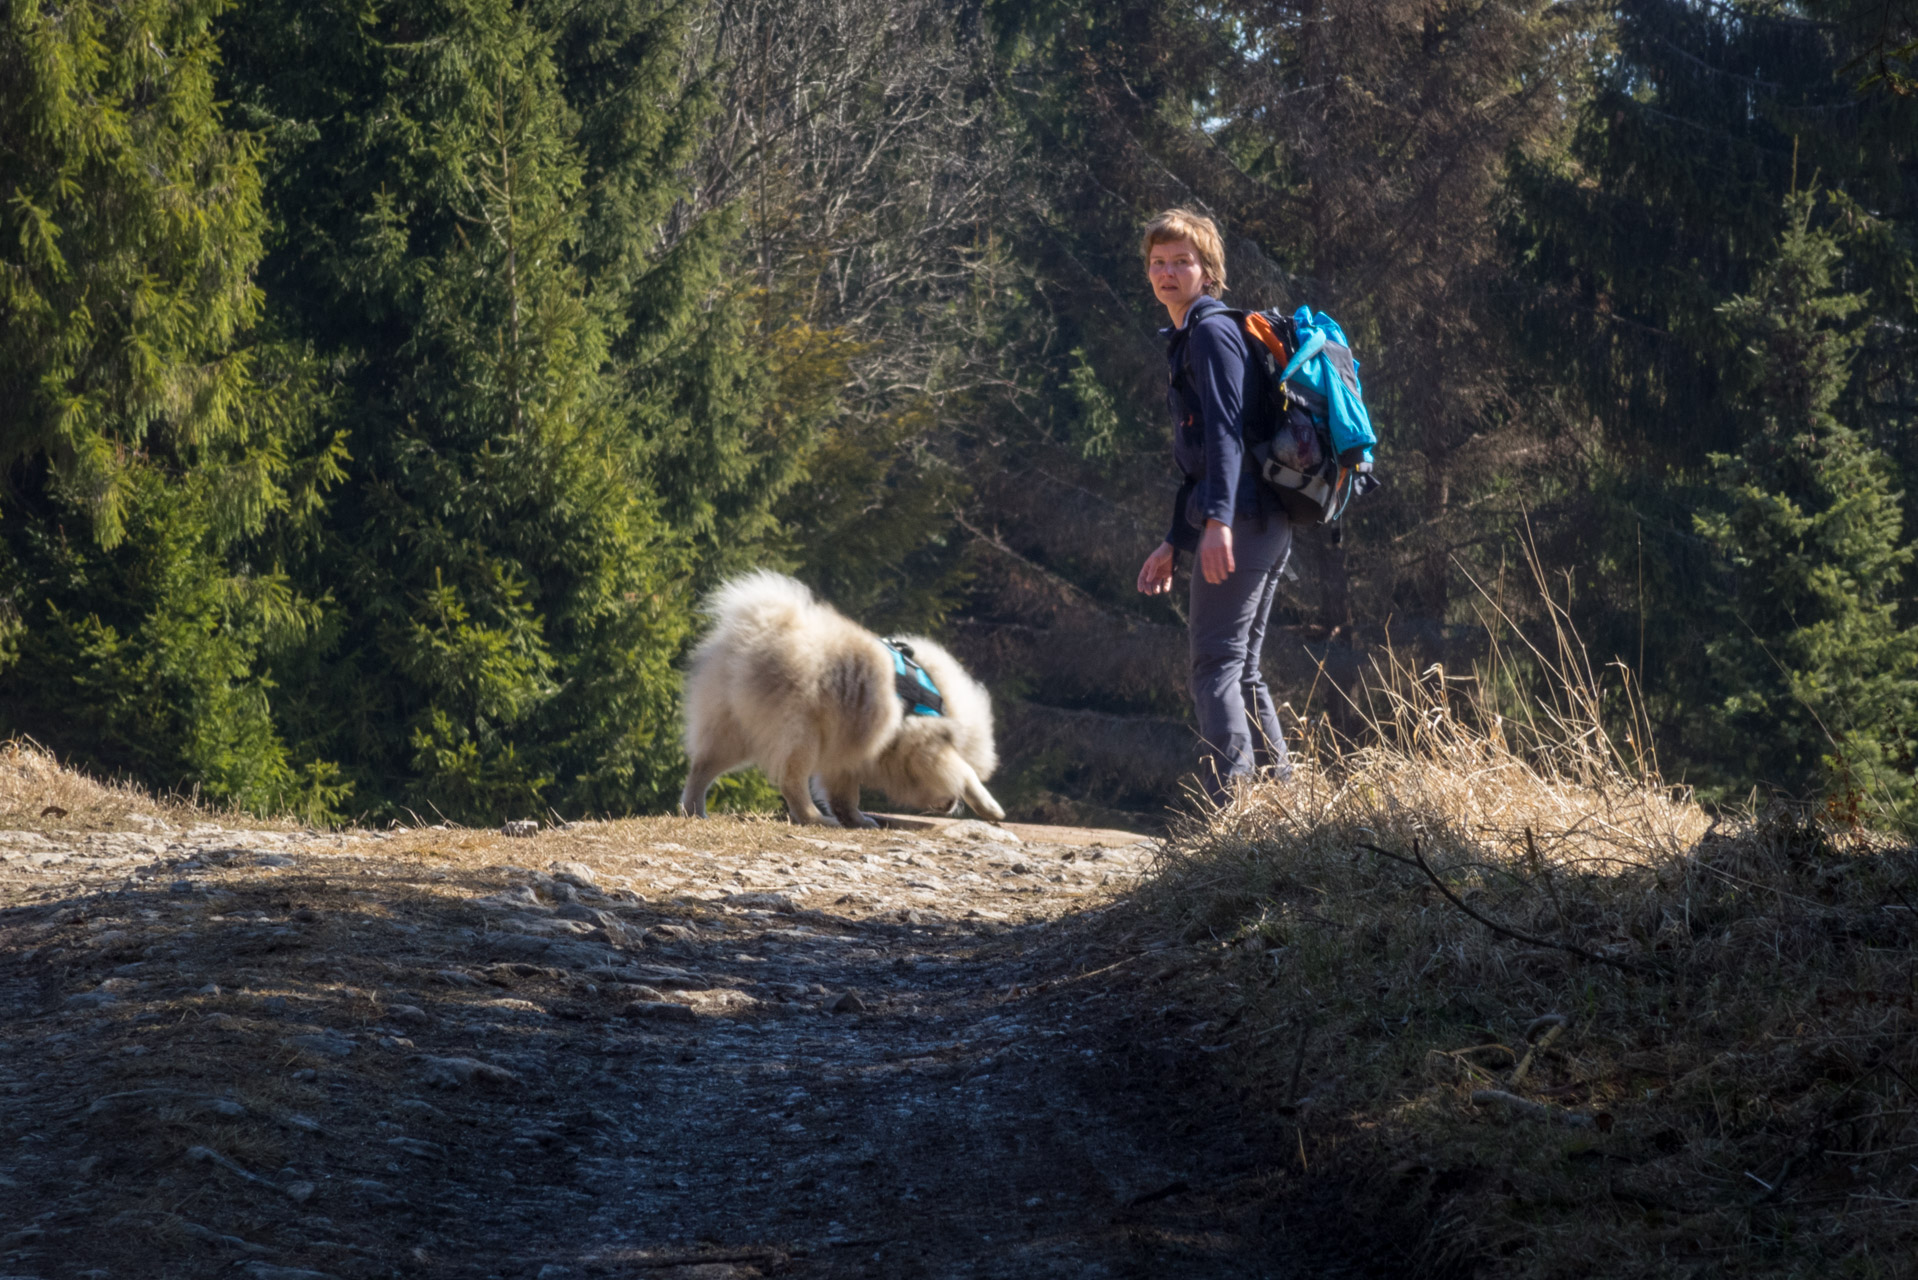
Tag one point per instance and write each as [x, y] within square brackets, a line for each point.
[1211, 384]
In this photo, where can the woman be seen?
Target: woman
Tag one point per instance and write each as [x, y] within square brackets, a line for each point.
[1223, 511]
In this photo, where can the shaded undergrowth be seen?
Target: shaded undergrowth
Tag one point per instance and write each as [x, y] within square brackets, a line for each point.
[1547, 1007]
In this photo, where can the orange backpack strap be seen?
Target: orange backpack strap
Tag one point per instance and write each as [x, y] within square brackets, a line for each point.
[1261, 328]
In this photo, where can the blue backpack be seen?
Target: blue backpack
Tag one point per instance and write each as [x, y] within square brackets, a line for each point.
[1311, 436]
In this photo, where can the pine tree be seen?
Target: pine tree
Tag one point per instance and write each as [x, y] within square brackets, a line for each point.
[147, 450]
[1817, 681]
[1662, 203]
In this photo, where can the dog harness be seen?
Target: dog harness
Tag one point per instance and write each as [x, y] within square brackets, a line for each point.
[914, 686]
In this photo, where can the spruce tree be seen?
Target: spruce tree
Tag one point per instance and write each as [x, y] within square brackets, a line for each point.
[147, 450]
[1815, 678]
[550, 407]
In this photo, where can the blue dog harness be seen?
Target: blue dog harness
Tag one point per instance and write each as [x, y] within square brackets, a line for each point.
[910, 681]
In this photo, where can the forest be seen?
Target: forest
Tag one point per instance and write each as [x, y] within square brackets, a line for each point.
[383, 384]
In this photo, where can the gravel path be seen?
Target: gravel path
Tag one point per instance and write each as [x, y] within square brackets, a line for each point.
[646, 1048]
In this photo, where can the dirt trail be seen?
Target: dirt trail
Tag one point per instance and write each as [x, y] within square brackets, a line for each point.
[647, 1048]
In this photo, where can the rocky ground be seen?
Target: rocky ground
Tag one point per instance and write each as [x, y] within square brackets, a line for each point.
[655, 1048]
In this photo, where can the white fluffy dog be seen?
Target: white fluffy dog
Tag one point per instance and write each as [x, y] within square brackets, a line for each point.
[786, 682]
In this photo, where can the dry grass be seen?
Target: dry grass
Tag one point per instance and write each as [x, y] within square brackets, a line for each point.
[1703, 1030]
[36, 791]
[39, 793]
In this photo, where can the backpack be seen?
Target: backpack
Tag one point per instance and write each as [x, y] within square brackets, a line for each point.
[1310, 435]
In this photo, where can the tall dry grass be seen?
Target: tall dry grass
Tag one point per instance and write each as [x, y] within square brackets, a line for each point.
[1548, 1008]
[38, 792]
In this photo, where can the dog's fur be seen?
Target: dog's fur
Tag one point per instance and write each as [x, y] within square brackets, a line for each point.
[786, 682]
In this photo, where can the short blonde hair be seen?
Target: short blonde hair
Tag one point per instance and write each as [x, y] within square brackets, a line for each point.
[1201, 232]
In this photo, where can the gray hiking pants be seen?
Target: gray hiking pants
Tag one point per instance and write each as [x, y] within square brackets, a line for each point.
[1238, 725]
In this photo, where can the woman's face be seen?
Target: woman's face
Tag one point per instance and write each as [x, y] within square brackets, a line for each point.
[1177, 278]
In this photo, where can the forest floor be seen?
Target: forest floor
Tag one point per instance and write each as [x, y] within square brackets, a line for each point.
[655, 1047]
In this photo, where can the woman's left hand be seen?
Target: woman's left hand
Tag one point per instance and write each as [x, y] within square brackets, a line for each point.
[1215, 552]
[1155, 575]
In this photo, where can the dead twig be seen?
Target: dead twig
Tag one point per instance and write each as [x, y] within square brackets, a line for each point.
[1418, 860]
[1298, 1067]
[1386, 853]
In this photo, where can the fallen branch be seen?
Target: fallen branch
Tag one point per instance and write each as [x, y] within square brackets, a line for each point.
[1180, 1187]
[1532, 1110]
[1093, 973]
[207, 1155]
[1457, 1059]
[1544, 1043]
[676, 1260]
[1418, 859]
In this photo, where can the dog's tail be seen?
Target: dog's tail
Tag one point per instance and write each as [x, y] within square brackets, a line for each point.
[760, 598]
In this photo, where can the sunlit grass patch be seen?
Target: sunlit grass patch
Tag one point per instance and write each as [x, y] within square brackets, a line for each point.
[37, 791]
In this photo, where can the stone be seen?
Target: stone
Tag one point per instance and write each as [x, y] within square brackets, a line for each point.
[92, 1000]
[846, 1002]
[451, 1073]
[666, 977]
[577, 874]
[267, 1271]
[519, 944]
[330, 1044]
[660, 1011]
[518, 898]
[973, 829]
[456, 978]
[777, 902]
[207, 1155]
[207, 1235]
[560, 926]
[418, 1147]
[524, 1008]
[669, 933]
[377, 1194]
[300, 1192]
[408, 1014]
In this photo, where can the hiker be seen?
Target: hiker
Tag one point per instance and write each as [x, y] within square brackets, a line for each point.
[1236, 524]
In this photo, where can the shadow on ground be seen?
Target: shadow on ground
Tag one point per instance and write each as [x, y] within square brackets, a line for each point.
[290, 1057]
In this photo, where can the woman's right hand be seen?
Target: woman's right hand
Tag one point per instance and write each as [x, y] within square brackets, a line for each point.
[1155, 575]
